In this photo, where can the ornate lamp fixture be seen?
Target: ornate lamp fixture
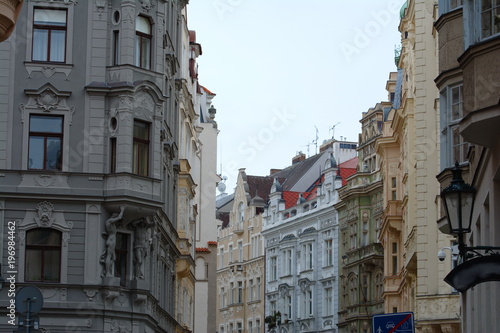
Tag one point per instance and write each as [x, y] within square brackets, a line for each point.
[458, 199]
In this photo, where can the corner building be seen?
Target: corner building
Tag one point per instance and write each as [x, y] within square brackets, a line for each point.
[89, 164]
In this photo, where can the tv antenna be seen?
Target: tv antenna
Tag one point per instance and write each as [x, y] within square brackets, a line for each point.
[333, 130]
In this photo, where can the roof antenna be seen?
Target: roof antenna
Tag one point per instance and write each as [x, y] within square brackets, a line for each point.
[333, 130]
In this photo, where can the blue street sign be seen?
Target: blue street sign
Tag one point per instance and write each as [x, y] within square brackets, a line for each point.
[400, 322]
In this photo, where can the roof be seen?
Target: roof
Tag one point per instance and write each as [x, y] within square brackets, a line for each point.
[202, 249]
[347, 169]
[295, 172]
[259, 185]
[208, 91]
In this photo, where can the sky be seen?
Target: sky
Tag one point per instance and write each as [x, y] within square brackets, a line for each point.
[289, 73]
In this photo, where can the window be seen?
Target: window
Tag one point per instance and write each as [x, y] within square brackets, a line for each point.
[49, 35]
[45, 142]
[250, 327]
[307, 303]
[288, 307]
[272, 307]
[141, 148]
[221, 256]
[394, 258]
[222, 297]
[307, 250]
[121, 262]
[240, 251]
[257, 289]
[230, 250]
[273, 261]
[257, 326]
[364, 235]
[353, 236]
[328, 302]
[490, 22]
[241, 212]
[287, 262]
[116, 47]
[379, 285]
[43, 255]
[143, 39]
[328, 252]
[453, 145]
[232, 292]
[240, 292]
[112, 148]
[251, 291]
[365, 287]
[353, 291]
[256, 246]
[239, 327]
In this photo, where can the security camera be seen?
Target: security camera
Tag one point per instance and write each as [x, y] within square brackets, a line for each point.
[441, 255]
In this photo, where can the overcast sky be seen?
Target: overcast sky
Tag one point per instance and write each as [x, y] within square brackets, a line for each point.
[281, 69]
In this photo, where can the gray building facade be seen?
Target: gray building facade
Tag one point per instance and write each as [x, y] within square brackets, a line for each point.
[88, 164]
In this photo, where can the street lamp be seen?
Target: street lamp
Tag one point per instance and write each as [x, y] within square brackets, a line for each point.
[458, 200]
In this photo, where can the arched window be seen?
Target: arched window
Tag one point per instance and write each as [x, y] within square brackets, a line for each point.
[43, 255]
[241, 212]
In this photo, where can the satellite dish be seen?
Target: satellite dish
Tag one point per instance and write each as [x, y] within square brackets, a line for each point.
[29, 299]
[221, 187]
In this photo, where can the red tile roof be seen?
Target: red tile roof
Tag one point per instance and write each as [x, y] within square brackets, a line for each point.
[203, 249]
[208, 91]
[212, 242]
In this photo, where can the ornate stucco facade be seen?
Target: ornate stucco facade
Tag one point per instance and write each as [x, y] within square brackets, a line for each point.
[410, 234]
[94, 173]
[360, 213]
[468, 82]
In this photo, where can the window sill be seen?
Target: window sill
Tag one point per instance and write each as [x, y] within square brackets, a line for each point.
[48, 68]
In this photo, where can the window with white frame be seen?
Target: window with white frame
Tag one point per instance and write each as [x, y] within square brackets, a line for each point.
[272, 307]
[251, 290]
[222, 297]
[143, 37]
[287, 256]
[257, 325]
[230, 250]
[256, 246]
[239, 327]
[250, 326]
[221, 256]
[453, 146]
[308, 255]
[307, 303]
[232, 293]
[490, 18]
[240, 251]
[45, 142]
[49, 35]
[239, 298]
[328, 302]
[288, 307]
[328, 252]
[364, 234]
[273, 269]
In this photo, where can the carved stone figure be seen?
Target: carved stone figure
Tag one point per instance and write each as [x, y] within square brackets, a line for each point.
[141, 241]
[109, 256]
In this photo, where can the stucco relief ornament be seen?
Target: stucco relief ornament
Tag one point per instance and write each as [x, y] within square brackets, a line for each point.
[44, 218]
[147, 4]
[47, 100]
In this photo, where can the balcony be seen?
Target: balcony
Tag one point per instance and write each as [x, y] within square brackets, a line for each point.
[9, 10]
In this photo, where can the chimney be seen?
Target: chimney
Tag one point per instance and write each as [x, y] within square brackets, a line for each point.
[273, 171]
[299, 157]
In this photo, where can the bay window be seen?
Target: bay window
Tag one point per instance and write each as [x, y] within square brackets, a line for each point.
[143, 39]
[140, 157]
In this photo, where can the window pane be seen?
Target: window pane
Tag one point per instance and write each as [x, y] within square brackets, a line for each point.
[50, 17]
[33, 269]
[145, 52]
[46, 124]
[43, 237]
[40, 44]
[142, 25]
[57, 45]
[53, 160]
[36, 149]
[141, 130]
[51, 264]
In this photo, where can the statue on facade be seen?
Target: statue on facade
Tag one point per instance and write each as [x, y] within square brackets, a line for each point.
[141, 242]
[109, 255]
